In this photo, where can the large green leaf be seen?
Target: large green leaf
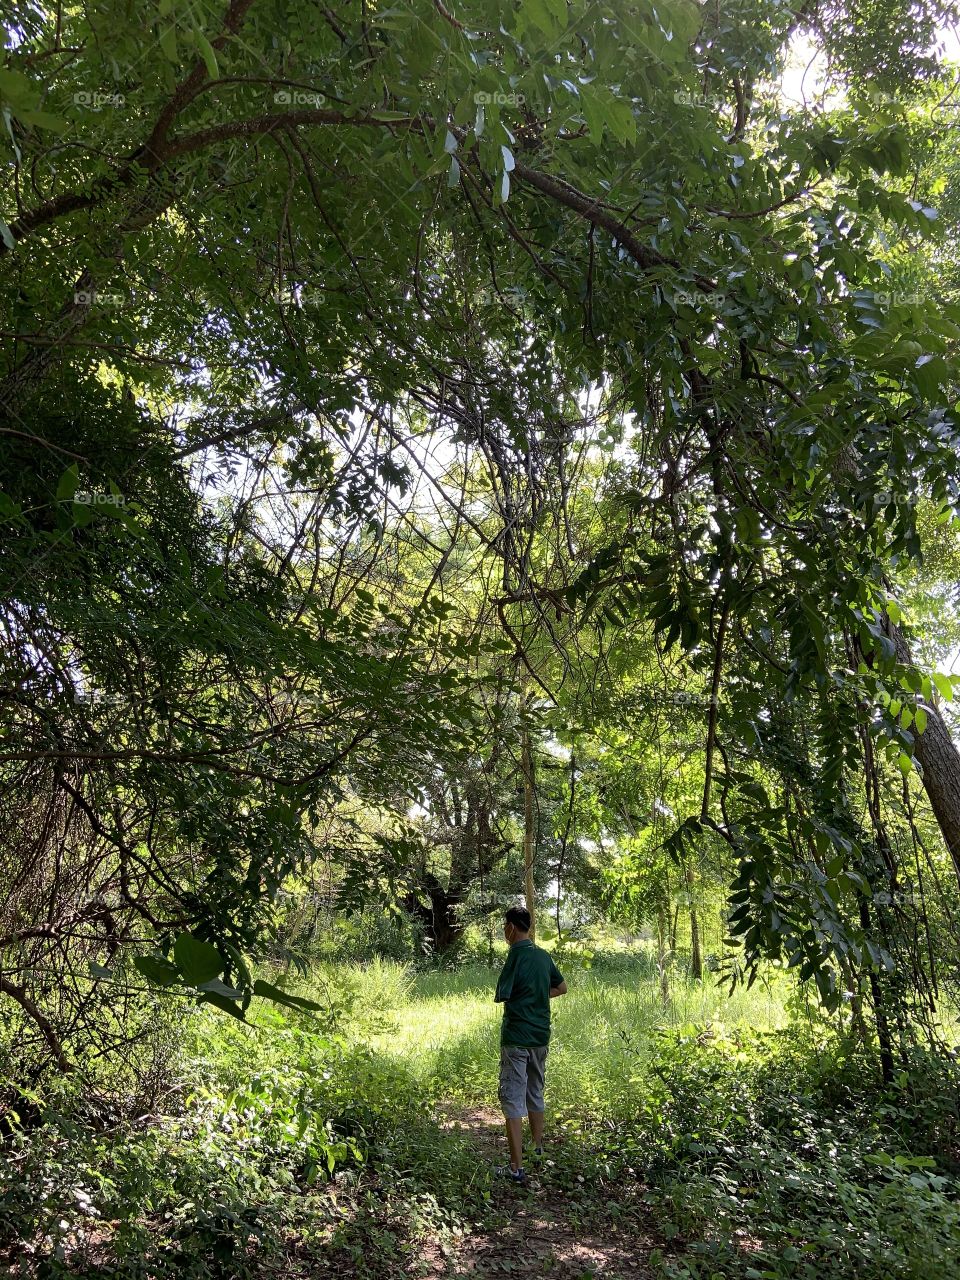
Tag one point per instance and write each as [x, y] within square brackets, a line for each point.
[197, 961]
[279, 996]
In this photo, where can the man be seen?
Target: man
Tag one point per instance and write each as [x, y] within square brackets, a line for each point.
[529, 981]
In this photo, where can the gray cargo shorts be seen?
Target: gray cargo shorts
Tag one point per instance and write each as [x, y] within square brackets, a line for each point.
[521, 1079]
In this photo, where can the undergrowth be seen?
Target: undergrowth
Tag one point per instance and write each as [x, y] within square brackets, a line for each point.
[747, 1134]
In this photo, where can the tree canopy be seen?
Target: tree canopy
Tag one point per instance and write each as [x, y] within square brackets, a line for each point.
[433, 430]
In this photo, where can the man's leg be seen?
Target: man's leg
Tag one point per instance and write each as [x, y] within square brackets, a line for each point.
[515, 1141]
[513, 1077]
[536, 1071]
[536, 1127]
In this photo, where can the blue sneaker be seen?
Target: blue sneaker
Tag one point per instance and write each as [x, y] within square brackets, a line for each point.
[515, 1175]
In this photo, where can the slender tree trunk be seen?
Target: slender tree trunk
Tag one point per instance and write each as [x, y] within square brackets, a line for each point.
[884, 1041]
[940, 761]
[696, 955]
[851, 977]
[663, 954]
[528, 832]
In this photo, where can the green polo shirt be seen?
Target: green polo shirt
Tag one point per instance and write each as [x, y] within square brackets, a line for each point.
[524, 989]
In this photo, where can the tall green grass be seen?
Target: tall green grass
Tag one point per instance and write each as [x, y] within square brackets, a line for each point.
[445, 1028]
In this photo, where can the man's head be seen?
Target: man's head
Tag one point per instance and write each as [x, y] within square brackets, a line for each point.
[516, 924]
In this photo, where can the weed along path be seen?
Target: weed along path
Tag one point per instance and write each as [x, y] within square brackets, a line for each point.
[554, 1226]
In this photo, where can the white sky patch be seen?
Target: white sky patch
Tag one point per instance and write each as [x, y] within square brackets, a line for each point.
[802, 82]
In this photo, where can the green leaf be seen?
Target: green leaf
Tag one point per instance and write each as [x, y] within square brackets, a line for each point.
[545, 14]
[156, 968]
[944, 685]
[930, 374]
[620, 119]
[593, 114]
[208, 53]
[68, 483]
[19, 90]
[747, 523]
[44, 120]
[198, 961]
[223, 1003]
[7, 235]
[278, 996]
[221, 988]
[168, 43]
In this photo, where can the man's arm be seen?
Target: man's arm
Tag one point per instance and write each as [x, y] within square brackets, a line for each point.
[561, 990]
[505, 981]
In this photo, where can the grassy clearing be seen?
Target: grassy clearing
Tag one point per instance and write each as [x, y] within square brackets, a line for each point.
[764, 1145]
[445, 1028]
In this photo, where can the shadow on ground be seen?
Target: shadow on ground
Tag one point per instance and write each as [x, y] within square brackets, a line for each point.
[539, 1232]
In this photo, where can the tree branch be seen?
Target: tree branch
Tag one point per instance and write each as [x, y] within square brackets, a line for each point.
[18, 994]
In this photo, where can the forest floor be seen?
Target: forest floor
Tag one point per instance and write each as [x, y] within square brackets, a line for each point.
[707, 1137]
[543, 1229]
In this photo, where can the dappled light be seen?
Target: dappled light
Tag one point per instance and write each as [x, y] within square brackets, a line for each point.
[480, 639]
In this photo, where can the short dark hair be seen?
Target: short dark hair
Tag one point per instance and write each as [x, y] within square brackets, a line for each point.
[519, 917]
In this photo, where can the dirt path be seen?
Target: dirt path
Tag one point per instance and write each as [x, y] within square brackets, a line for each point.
[541, 1235]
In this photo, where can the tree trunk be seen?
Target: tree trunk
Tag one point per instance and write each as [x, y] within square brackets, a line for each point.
[940, 761]
[851, 977]
[663, 955]
[696, 956]
[884, 1041]
[442, 927]
[528, 833]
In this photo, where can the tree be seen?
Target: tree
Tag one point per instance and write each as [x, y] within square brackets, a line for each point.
[297, 253]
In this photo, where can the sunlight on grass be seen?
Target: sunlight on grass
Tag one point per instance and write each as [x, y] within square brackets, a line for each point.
[445, 1027]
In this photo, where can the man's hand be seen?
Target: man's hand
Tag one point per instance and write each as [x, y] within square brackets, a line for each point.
[558, 991]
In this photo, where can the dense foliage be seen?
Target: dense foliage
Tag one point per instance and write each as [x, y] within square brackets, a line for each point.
[451, 452]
